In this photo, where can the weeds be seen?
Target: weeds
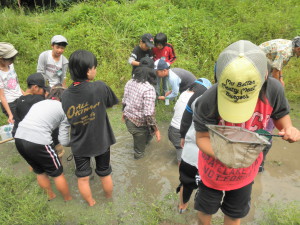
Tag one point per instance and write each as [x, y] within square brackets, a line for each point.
[22, 201]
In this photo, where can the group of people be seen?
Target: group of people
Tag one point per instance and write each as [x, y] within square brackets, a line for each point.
[244, 94]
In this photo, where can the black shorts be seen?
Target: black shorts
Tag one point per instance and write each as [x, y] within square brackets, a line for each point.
[235, 203]
[42, 158]
[187, 177]
[83, 165]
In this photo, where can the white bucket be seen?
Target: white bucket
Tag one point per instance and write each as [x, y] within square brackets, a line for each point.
[5, 131]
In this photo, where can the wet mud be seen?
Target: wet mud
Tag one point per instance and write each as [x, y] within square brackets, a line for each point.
[156, 175]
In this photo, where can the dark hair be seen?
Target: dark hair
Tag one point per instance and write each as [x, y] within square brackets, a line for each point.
[56, 92]
[79, 63]
[63, 44]
[160, 38]
[147, 62]
[143, 74]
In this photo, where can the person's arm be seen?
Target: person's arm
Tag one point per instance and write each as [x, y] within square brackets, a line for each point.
[133, 58]
[149, 112]
[41, 64]
[6, 106]
[64, 137]
[174, 82]
[172, 55]
[203, 143]
[64, 72]
[111, 97]
[285, 127]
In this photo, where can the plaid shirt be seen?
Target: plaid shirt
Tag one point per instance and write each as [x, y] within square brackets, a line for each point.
[278, 51]
[139, 102]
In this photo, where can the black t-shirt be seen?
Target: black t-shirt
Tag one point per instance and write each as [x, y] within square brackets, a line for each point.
[137, 53]
[23, 104]
[85, 106]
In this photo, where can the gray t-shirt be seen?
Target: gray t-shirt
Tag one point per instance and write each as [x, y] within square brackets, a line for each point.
[42, 118]
[53, 71]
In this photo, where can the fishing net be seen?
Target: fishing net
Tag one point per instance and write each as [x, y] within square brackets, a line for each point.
[236, 147]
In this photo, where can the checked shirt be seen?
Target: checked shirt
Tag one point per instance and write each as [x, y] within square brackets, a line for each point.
[139, 101]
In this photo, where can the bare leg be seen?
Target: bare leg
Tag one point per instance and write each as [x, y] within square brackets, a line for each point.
[85, 190]
[107, 185]
[62, 185]
[44, 182]
[182, 205]
[203, 218]
[231, 221]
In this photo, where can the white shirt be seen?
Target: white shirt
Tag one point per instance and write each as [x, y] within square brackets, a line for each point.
[180, 107]
[9, 83]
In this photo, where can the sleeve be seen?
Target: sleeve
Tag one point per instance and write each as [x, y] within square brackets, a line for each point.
[172, 55]
[133, 56]
[65, 63]
[63, 136]
[206, 110]
[174, 82]
[187, 117]
[149, 106]
[276, 96]
[278, 61]
[41, 63]
[111, 98]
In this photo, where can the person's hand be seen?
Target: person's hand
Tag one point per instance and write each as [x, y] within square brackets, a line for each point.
[182, 141]
[281, 81]
[161, 97]
[290, 134]
[157, 135]
[122, 118]
[10, 119]
[168, 93]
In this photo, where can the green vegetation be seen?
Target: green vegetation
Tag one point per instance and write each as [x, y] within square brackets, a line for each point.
[281, 214]
[199, 30]
[22, 201]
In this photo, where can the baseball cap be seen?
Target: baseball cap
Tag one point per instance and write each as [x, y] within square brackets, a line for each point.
[37, 79]
[58, 39]
[148, 39]
[240, 72]
[203, 81]
[7, 50]
[161, 64]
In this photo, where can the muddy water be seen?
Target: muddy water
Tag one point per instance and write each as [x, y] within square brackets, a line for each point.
[156, 175]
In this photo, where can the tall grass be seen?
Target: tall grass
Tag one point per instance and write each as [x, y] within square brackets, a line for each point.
[199, 30]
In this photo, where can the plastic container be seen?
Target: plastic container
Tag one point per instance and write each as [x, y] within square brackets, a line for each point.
[236, 147]
[5, 131]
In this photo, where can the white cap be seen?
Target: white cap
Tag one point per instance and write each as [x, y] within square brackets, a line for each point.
[58, 39]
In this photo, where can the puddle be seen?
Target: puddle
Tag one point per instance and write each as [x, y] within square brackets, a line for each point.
[156, 175]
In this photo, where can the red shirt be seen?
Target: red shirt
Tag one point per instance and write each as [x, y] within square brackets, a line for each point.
[167, 52]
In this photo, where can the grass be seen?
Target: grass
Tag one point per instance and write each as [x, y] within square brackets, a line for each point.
[281, 214]
[198, 30]
[22, 201]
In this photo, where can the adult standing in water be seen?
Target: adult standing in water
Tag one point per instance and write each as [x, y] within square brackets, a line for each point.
[85, 105]
[279, 52]
[139, 109]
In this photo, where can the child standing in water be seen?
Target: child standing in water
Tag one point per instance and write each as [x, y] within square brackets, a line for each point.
[85, 105]
[34, 142]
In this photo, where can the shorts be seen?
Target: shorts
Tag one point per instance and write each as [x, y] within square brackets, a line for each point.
[187, 177]
[83, 165]
[42, 158]
[175, 138]
[235, 203]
